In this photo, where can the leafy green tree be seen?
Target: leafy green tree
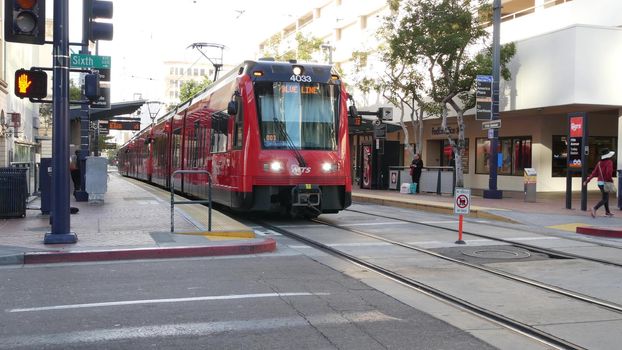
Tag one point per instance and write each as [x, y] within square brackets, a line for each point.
[304, 50]
[443, 39]
[75, 92]
[191, 87]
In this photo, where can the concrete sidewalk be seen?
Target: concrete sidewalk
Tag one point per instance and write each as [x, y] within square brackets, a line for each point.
[549, 211]
[133, 222]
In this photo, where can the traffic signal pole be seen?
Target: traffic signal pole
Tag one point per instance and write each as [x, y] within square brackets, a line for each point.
[60, 233]
[81, 195]
[492, 191]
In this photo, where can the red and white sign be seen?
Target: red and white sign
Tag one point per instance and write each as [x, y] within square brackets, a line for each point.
[576, 127]
[462, 201]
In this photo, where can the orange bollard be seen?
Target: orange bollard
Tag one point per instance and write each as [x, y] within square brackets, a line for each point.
[460, 220]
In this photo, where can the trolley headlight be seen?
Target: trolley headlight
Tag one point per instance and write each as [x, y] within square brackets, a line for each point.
[276, 166]
[329, 167]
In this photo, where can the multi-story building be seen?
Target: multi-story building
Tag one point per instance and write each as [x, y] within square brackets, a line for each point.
[567, 60]
[178, 72]
[19, 118]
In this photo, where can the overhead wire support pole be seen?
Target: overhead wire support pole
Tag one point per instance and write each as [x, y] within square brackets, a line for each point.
[60, 215]
[80, 194]
[492, 191]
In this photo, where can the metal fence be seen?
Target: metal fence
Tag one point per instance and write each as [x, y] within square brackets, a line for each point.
[13, 192]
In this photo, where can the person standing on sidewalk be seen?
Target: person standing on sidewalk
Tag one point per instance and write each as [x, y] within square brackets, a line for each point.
[603, 171]
[415, 169]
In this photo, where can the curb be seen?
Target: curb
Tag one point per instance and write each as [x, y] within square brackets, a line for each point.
[435, 208]
[264, 246]
[12, 259]
[611, 232]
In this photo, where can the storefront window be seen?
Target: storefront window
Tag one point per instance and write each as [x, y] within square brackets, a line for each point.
[515, 155]
[596, 144]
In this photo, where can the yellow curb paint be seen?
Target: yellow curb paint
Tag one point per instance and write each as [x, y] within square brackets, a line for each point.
[572, 227]
[220, 234]
[440, 208]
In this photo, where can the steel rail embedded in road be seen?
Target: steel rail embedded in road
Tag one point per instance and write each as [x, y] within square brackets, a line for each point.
[550, 252]
[547, 287]
[506, 322]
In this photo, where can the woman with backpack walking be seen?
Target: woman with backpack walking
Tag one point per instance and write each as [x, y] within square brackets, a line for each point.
[603, 171]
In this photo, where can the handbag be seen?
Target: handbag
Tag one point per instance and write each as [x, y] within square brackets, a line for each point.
[609, 187]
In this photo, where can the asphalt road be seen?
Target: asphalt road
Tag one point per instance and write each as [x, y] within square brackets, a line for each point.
[274, 301]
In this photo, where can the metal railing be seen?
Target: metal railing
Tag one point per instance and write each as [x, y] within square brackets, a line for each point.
[200, 201]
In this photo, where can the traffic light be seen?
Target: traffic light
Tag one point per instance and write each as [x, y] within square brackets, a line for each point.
[93, 10]
[31, 83]
[24, 21]
[91, 86]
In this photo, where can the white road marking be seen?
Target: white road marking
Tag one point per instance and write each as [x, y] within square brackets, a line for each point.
[159, 301]
[374, 244]
[530, 238]
[440, 222]
[378, 223]
[103, 336]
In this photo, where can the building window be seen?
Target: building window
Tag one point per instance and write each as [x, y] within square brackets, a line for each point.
[560, 153]
[172, 71]
[195, 72]
[514, 155]
[202, 71]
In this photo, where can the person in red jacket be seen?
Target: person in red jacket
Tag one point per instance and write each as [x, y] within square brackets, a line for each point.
[603, 171]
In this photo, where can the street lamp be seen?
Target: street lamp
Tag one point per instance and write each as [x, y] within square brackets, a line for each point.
[157, 105]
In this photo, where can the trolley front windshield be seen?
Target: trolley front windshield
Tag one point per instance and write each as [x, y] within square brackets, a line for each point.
[298, 115]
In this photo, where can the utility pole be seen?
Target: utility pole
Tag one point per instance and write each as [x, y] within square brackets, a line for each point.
[492, 191]
[60, 233]
[328, 47]
[81, 195]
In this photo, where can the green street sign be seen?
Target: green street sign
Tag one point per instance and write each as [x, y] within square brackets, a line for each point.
[90, 61]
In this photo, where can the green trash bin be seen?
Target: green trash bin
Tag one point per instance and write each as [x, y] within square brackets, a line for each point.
[13, 192]
[413, 188]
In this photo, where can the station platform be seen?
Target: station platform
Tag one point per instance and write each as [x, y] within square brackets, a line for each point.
[133, 222]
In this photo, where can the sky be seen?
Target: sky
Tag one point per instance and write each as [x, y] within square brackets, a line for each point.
[149, 32]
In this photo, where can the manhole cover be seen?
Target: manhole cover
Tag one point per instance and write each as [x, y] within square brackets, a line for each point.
[491, 254]
[497, 253]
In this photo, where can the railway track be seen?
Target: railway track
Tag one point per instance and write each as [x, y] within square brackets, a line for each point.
[550, 252]
[509, 323]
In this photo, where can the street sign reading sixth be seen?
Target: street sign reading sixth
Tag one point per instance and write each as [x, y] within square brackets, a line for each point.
[483, 97]
[90, 61]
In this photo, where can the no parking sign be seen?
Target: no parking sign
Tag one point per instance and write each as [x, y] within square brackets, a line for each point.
[462, 201]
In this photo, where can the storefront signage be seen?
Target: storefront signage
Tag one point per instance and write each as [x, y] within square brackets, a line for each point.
[575, 141]
[438, 130]
[483, 97]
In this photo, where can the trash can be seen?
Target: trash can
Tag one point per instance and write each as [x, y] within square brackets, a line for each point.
[13, 192]
[530, 184]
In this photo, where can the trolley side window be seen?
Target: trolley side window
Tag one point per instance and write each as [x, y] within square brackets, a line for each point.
[176, 148]
[220, 132]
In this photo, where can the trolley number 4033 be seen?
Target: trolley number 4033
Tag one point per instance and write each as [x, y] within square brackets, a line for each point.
[301, 78]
